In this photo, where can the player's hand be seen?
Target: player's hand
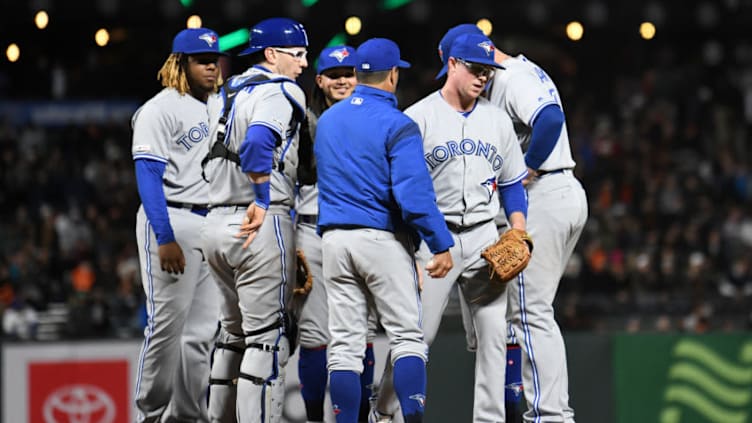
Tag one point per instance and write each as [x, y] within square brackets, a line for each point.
[440, 264]
[254, 217]
[171, 258]
[531, 175]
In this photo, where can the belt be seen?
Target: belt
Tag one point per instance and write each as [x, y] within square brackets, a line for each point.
[236, 205]
[550, 172]
[201, 209]
[311, 219]
[459, 228]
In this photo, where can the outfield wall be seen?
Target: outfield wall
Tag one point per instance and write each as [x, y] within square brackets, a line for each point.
[620, 378]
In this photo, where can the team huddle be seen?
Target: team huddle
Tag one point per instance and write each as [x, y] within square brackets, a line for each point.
[247, 183]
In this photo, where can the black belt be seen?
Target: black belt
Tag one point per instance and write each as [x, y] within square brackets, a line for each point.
[237, 205]
[459, 228]
[201, 209]
[550, 172]
[311, 219]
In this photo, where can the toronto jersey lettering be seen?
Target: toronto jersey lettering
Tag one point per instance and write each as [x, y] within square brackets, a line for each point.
[442, 153]
[479, 153]
[173, 129]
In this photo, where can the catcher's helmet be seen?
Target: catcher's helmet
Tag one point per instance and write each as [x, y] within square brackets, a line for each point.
[276, 32]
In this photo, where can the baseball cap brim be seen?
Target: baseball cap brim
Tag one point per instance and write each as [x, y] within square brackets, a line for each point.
[220, 53]
[442, 72]
[403, 64]
[249, 50]
[487, 62]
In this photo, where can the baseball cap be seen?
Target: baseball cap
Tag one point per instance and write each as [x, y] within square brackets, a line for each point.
[195, 41]
[336, 57]
[448, 39]
[474, 48]
[379, 54]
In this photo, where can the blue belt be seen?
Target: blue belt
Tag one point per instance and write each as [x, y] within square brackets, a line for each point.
[200, 209]
[311, 219]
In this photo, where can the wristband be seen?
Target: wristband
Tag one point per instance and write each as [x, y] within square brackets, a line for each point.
[262, 192]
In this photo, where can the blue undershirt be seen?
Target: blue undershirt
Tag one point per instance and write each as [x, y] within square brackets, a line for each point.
[257, 149]
[149, 181]
[546, 130]
[514, 199]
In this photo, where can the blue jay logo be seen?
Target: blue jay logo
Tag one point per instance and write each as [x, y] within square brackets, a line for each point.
[487, 46]
[490, 185]
[340, 54]
[420, 398]
[209, 38]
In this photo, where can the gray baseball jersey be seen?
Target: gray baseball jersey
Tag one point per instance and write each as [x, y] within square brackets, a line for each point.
[183, 308]
[468, 156]
[556, 216]
[267, 105]
[254, 282]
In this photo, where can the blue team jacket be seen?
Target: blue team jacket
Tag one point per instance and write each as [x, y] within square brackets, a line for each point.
[371, 173]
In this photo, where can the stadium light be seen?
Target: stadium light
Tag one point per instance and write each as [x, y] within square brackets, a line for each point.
[194, 21]
[394, 4]
[102, 37]
[233, 39]
[13, 52]
[308, 3]
[575, 31]
[41, 19]
[353, 25]
[186, 3]
[485, 25]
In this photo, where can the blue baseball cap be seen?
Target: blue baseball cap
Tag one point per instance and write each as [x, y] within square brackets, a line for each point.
[379, 54]
[474, 48]
[336, 57]
[196, 41]
[448, 39]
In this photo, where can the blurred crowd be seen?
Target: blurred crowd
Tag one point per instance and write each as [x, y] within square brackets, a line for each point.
[663, 153]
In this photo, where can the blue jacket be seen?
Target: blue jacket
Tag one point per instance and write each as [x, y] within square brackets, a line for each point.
[371, 172]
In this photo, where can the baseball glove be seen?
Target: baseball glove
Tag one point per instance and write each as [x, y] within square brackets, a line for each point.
[509, 255]
[303, 276]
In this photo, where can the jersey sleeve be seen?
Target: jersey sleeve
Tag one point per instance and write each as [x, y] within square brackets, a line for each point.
[514, 168]
[413, 188]
[527, 95]
[152, 130]
[277, 111]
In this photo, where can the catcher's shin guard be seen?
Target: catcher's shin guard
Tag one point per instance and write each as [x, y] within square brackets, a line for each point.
[223, 379]
[262, 377]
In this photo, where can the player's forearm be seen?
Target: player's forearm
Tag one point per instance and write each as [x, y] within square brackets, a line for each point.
[517, 220]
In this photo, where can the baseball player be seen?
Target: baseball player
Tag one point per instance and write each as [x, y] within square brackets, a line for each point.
[335, 80]
[557, 216]
[471, 151]
[375, 202]
[170, 132]
[248, 239]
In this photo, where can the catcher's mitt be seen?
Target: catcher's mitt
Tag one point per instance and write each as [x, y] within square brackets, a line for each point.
[509, 255]
[303, 276]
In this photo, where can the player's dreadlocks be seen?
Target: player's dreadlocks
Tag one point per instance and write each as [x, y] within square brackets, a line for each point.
[172, 74]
